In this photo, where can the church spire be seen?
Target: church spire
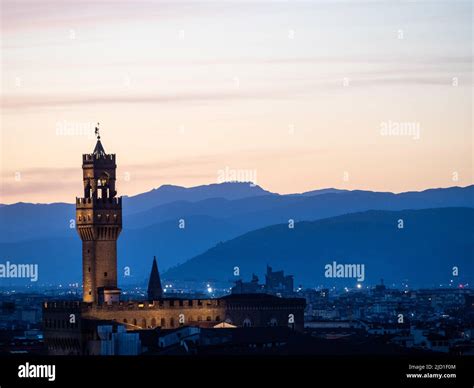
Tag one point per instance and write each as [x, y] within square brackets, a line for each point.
[155, 291]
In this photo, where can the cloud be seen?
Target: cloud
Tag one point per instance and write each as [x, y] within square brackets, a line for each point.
[39, 101]
[26, 15]
[288, 89]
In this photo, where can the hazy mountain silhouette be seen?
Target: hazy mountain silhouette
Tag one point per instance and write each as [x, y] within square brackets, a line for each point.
[42, 233]
[60, 259]
[169, 193]
[255, 212]
[424, 251]
[27, 221]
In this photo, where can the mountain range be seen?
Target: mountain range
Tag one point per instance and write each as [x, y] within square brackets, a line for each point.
[423, 251]
[211, 215]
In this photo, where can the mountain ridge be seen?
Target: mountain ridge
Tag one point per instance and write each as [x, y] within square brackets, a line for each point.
[432, 242]
[156, 231]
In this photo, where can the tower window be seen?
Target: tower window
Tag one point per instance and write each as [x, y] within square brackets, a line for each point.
[105, 274]
[89, 269]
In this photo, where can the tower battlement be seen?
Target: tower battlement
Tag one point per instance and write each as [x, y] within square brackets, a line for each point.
[174, 303]
[93, 158]
[86, 203]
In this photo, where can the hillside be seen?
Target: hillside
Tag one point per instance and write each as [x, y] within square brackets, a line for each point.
[424, 251]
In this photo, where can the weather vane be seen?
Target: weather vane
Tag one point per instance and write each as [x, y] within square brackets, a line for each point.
[97, 132]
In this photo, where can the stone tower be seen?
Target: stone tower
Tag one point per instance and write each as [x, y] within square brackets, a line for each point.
[99, 222]
[155, 291]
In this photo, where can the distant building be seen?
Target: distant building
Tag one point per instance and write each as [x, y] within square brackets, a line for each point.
[380, 289]
[276, 283]
[251, 287]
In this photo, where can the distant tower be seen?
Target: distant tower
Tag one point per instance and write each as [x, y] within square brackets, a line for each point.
[155, 291]
[99, 222]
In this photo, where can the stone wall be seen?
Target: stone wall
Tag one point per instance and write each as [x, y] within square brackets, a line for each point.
[66, 331]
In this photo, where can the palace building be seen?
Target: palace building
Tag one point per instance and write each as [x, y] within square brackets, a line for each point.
[70, 326]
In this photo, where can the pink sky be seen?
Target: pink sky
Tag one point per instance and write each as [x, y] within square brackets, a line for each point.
[305, 95]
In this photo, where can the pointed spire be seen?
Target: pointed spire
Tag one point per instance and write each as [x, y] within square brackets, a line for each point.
[155, 291]
[99, 149]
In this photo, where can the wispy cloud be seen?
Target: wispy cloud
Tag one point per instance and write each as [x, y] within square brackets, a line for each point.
[289, 89]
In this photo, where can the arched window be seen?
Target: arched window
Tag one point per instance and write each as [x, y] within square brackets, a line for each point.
[153, 322]
[134, 321]
[247, 322]
[208, 319]
[163, 322]
[218, 318]
[125, 320]
[199, 318]
[273, 322]
[172, 322]
[144, 323]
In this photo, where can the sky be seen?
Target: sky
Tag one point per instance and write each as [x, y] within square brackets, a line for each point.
[297, 95]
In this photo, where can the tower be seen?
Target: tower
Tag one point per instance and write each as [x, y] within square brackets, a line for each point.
[155, 291]
[99, 222]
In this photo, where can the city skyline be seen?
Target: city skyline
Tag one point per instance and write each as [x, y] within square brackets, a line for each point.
[236, 183]
[280, 90]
